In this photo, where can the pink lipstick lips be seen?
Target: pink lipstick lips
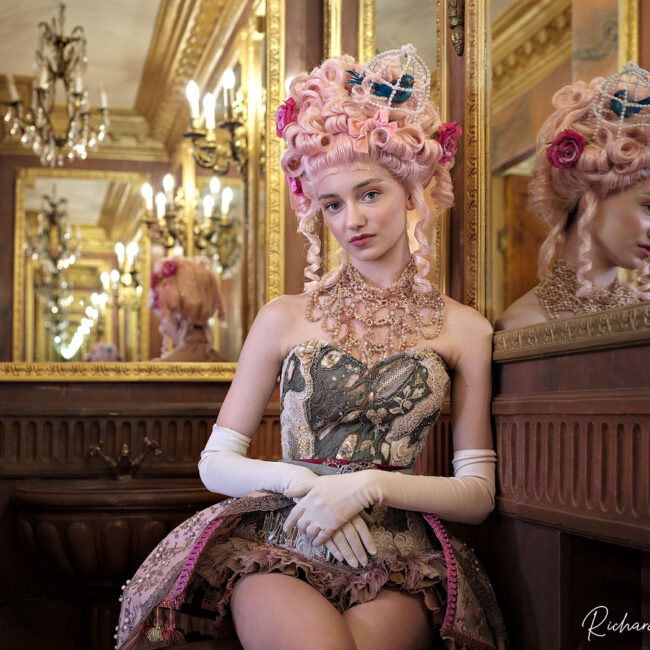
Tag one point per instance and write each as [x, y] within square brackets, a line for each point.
[361, 240]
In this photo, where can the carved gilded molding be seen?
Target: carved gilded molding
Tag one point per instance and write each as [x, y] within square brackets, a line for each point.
[628, 32]
[332, 28]
[366, 36]
[607, 329]
[275, 183]
[126, 371]
[529, 40]
[477, 151]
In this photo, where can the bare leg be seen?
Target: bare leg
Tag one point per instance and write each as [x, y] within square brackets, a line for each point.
[275, 611]
[393, 620]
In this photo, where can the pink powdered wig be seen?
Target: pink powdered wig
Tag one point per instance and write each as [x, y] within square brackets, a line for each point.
[320, 138]
[184, 292]
[612, 161]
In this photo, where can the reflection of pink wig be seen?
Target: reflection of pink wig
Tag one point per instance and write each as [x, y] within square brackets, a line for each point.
[609, 163]
[187, 295]
[319, 140]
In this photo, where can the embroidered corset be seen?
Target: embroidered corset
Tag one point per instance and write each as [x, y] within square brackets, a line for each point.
[334, 406]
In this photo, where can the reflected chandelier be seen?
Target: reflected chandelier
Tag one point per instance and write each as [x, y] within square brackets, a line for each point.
[62, 58]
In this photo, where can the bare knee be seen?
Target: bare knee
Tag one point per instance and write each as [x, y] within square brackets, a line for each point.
[279, 611]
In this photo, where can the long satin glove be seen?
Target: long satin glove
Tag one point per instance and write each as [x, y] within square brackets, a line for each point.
[332, 500]
[224, 468]
[351, 541]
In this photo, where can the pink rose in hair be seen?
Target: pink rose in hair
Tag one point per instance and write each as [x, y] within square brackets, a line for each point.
[284, 115]
[447, 135]
[153, 280]
[169, 267]
[295, 186]
[566, 149]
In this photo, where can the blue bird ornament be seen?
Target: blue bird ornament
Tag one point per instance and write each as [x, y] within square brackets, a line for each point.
[384, 90]
[627, 111]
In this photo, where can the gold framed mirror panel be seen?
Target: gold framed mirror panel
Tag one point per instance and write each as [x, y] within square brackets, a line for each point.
[126, 325]
[268, 51]
[535, 49]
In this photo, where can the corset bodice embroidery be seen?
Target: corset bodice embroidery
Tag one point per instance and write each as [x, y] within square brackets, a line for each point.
[334, 406]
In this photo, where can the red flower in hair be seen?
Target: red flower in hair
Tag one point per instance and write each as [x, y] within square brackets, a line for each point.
[565, 151]
[295, 186]
[153, 281]
[284, 115]
[447, 135]
[169, 267]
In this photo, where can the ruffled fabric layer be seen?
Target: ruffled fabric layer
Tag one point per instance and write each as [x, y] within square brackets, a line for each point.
[238, 549]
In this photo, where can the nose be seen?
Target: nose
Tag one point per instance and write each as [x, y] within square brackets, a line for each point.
[355, 218]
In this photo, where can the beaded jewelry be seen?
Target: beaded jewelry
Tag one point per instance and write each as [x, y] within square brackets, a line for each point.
[408, 90]
[623, 100]
[556, 293]
[376, 322]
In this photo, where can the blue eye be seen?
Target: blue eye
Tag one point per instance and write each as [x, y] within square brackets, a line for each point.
[332, 207]
[372, 194]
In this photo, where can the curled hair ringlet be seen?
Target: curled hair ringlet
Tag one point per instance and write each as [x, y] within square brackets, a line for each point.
[319, 140]
[613, 160]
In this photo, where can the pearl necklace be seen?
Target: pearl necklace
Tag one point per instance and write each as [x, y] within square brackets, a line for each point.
[376, 322]
[557, 293]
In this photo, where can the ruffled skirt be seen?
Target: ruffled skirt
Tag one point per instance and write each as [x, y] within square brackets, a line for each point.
[240, 537]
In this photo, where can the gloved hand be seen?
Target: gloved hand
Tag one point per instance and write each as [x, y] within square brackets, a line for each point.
[332, 500]
[348, 542]
[224, 468]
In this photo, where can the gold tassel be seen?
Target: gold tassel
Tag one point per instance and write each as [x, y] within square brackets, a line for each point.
[155, 634]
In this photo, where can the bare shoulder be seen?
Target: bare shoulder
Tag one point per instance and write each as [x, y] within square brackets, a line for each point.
[275, 322]
[465, 321]
[523, 312]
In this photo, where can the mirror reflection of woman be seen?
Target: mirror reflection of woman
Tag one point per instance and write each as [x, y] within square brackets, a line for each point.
[184, 295]
[591, 184]
[333, 548]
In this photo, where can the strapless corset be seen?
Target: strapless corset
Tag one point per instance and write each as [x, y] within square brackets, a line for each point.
[334, 406]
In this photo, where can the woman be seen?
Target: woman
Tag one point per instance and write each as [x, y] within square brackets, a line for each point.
[184, 295]
[314, 554]
[591, 184]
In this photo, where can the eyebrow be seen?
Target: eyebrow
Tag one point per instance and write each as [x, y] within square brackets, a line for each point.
[356, 187]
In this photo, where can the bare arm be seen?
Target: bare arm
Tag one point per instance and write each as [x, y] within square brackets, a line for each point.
[257, 370]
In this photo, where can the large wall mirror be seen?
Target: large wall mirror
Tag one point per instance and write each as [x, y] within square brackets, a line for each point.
[81, 272]
[84, 253]
[537, 48]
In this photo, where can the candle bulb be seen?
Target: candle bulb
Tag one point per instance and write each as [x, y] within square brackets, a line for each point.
[192, 93]
[208, 205]
[160, 204]
[13, 93]
[147, 195]
[226, 200]
[168, 187]
[103, 99]
[209, 104]
[42, 81]
[78, 82]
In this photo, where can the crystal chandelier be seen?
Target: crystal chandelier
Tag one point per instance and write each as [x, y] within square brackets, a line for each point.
[52, 246]
[61, 58]
[207, 149]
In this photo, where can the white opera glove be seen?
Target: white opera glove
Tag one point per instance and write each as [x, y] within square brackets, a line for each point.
[352, 542]
[224, 468]
[332, 500]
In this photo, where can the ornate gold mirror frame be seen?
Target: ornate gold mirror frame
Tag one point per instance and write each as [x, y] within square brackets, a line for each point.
[274, 259]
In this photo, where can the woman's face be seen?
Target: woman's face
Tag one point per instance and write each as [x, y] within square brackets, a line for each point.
[364, 207]
[621, 230]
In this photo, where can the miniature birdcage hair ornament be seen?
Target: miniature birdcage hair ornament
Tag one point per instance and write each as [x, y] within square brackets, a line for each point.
[396, 80]
[622, 101]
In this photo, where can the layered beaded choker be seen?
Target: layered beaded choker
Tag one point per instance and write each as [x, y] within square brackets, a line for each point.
[376, 322]
[557, 293]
